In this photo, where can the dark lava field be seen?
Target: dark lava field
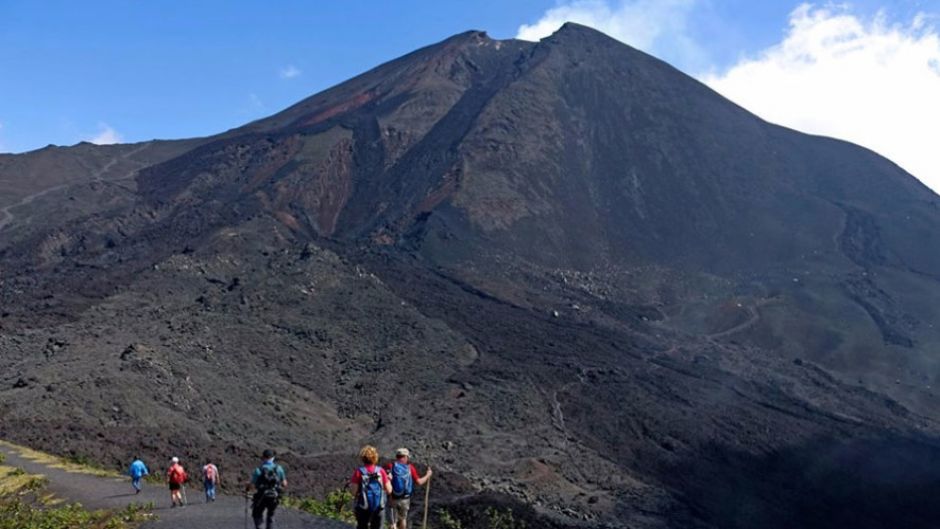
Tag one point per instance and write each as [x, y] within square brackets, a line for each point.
[578, 282]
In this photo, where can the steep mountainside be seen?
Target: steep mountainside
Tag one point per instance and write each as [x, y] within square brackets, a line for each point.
[568, 275]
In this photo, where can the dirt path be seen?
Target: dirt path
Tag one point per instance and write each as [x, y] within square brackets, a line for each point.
[228, 512]
[753, 318]
[6, 213]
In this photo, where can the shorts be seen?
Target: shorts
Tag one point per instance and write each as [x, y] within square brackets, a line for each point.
[398, 509]
[175, 486]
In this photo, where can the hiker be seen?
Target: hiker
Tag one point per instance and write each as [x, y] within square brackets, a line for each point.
[404, 476]
[137, 471]
[269, 481]
[210, 478]
[175, 477]
[373, 486]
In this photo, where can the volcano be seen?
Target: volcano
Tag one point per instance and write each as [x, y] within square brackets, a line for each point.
[579, 283]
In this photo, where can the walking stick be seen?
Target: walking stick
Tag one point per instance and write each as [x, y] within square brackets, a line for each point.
[246, 509]
[427, 497]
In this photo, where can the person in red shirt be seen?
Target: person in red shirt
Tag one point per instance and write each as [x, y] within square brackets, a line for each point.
[372, 488]
[404, 477]
[176, 477]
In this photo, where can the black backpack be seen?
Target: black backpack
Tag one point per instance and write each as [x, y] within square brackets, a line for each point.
[269, 482]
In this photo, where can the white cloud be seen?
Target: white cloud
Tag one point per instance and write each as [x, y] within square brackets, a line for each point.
[862, 79]
[106, 135]
[289, 72]
[654, 26]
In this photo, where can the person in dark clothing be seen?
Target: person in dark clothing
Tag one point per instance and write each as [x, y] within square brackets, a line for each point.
[269, 481]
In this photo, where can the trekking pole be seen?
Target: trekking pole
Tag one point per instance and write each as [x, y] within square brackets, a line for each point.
[246, 509]
[427, 498]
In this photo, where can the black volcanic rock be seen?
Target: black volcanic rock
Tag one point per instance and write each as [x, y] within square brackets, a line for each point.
[564, 272]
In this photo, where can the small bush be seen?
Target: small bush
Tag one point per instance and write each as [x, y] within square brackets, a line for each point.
[447, 520]
[336, 506]
[18, 514]
[154, 479]
[35, 483]
[25, 507]
[79, 459]
[503, 519]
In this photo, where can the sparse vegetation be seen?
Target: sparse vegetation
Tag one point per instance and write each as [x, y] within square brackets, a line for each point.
[79, 459]
[19, 513]
[335, 506]
[74, 463]
[503, 519]
[447, 520]
[24, 504]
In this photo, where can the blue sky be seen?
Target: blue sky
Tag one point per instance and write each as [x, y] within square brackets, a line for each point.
[134, 70]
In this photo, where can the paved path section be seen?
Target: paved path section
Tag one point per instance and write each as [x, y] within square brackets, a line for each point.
[94, 492]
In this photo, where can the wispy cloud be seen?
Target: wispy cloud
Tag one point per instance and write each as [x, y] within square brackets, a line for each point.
[655, 26]
[254, 102]
[863, 79]
[106, 135]
[289, 72]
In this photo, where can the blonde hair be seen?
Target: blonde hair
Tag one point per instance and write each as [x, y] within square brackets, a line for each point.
[369, 455]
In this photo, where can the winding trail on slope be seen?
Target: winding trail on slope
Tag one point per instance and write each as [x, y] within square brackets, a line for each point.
[7, 211]
[93, 492]
[754, 317]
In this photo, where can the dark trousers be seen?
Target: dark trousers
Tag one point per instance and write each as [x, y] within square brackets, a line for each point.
[368, 519]
[261, 504]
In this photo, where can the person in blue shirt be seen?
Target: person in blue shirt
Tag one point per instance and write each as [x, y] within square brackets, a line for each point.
[137, 471]
[269, 481]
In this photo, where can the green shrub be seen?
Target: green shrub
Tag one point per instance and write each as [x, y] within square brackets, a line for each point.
[18, 512]
[503, 519]
[35, 483]
[447, 520]
[335, 506]
[79, 459]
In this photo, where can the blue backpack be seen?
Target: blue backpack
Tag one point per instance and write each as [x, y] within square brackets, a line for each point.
[371, 491]
[403, 485]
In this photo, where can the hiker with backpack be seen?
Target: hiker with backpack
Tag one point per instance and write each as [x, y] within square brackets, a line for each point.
[210, 479]
[137, 471]
[175, 478]
[404, 477]
[269, 481]
[373, 487]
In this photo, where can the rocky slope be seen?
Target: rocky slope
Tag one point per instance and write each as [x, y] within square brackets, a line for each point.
[564, 272]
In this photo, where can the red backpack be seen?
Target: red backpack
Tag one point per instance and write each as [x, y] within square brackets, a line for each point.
[177, 475]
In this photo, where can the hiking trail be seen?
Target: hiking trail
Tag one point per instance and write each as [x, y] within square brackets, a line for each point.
[95, 492]
[96, 176]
